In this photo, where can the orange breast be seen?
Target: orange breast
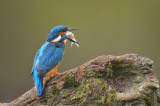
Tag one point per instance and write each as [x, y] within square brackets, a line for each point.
[50, 74]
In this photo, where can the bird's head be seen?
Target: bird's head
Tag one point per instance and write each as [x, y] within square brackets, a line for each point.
[62, 34]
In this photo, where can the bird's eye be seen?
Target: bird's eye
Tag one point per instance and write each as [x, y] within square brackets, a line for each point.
[64, 30]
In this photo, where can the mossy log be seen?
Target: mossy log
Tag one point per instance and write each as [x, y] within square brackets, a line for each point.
[126, 80]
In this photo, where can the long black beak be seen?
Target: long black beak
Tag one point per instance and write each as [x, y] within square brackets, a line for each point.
[72, 40]
[69, 29]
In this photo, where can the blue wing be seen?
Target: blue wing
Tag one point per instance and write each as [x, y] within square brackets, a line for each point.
[35, 59]
[48, 57]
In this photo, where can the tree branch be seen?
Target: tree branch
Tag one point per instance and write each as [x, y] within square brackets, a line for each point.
[106, 80]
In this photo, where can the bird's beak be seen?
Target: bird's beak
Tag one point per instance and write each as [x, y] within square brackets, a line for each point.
[72, 38]
[69, 29]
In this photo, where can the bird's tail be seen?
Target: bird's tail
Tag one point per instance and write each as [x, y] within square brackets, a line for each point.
[38, 82]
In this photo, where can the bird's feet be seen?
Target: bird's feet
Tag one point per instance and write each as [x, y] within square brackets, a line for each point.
[57, 73]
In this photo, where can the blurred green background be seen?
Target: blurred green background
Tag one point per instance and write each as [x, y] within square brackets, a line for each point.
[108, 27]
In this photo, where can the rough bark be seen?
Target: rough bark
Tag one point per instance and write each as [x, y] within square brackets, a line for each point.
[126, 80]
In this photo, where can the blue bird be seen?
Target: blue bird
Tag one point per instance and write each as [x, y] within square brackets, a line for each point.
[49, 56]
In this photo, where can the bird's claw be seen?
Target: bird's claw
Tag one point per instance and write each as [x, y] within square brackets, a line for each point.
[57, 73]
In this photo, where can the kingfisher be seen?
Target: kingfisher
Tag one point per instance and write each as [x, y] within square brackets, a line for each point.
[49, 56]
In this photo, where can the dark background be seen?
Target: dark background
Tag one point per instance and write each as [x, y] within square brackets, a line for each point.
[107, 28]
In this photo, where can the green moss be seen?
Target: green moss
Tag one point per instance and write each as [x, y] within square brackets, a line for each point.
[101, 74]
[54, 90]
[107, 72]
[88, 85]
[66, 94]
[104, 73]
[158, 99]
[112, 68]
[95, 74]
[115, 66]
[149, 101]
[108, 98]
[90, 74]
[129, 67]
[118, 65]
[70, 82]
[110, 72]
[83, 90]
[102, 100]
[95, 95]
[84, 102]
[103, 85]
[80, 93]
[111, 97]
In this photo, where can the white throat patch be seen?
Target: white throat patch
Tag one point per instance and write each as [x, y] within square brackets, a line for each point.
[57, 39]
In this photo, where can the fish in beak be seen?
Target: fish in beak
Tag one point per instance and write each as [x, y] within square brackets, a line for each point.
[70, 37]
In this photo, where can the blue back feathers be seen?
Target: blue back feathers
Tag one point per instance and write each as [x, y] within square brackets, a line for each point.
[48, 56]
